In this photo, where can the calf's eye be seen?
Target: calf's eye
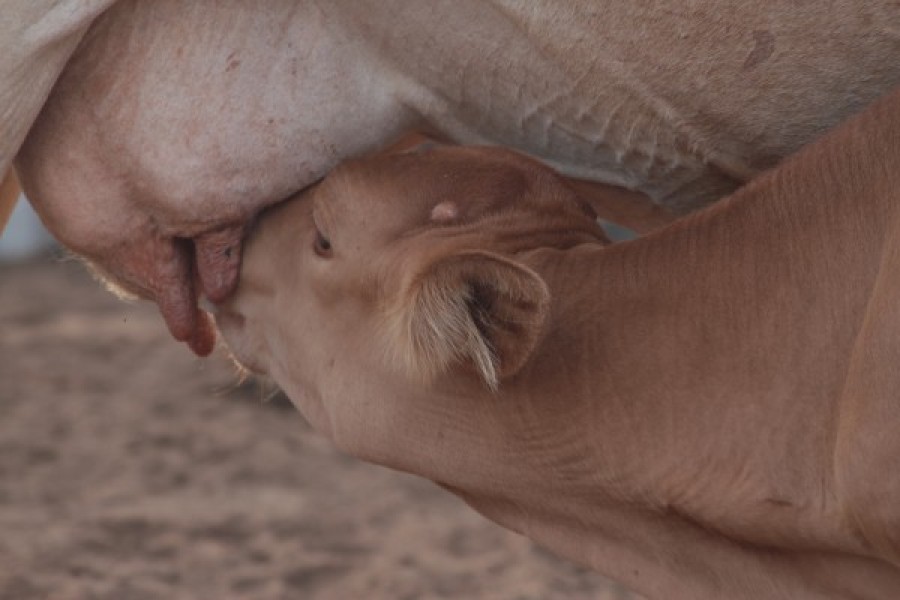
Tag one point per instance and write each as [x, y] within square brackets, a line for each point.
[322, 245]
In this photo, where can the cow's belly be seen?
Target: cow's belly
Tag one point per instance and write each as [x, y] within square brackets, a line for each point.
[235, 108]
[684, 101]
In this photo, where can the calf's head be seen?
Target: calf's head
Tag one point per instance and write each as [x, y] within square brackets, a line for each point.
[399, 272]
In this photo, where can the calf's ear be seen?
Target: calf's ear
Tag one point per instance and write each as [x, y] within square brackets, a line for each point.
[470, 307]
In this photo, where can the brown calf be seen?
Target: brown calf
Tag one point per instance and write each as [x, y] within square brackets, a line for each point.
[710, 411]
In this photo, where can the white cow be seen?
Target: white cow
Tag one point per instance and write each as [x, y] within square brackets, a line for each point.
[174, 122]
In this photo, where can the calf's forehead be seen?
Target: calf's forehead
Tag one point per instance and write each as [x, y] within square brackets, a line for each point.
[409, 186]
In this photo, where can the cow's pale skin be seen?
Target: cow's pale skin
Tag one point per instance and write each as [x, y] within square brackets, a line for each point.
[38, 38]
[174, 122]
[707, 412]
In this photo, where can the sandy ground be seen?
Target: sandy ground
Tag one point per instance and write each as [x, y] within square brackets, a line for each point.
[130, 470]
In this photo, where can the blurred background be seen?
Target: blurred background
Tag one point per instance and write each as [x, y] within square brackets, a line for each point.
[24, 235]
[131, 470]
